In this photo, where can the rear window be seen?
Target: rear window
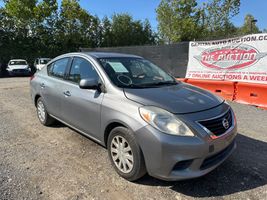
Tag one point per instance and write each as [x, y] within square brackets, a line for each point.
[58, 68]
[18, 62]
[44, 61]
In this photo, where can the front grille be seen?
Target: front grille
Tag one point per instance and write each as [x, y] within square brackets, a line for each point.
[19, 70]
[220, 125]
[215, 159]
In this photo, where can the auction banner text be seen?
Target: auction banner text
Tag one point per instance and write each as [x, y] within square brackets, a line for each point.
[242, 59]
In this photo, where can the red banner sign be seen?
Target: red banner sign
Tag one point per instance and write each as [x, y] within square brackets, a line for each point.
[237, 59]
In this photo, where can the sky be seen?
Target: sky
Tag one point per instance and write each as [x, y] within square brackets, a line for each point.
[142, 9]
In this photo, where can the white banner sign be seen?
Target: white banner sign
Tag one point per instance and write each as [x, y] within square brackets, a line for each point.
[236, 59]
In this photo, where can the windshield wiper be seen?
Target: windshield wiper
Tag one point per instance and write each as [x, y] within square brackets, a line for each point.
[166, 83]
[132, 86]
[147, 85]
[160, 83]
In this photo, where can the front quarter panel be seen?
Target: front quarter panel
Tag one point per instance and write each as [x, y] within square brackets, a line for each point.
[117, 108]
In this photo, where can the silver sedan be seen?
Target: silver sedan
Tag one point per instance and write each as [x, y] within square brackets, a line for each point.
[148, 121]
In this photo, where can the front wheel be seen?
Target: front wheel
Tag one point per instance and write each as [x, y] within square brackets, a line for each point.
[125, 154]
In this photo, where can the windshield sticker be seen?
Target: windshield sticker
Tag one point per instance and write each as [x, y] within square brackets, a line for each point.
[118, 67]
[125, 79]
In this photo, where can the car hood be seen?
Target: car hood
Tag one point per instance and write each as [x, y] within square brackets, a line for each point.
[177, 99]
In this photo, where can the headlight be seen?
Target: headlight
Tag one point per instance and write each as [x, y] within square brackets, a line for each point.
[164, 121]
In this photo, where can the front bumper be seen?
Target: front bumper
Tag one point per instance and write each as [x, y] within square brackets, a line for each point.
[19, 72]
[171, 157]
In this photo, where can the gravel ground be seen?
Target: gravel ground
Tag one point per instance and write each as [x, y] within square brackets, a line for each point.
[37, 162]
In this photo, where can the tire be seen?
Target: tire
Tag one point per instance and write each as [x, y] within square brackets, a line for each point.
[128, 152]
[42, 114]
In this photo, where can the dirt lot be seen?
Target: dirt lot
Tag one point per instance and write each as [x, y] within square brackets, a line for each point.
[37, 162]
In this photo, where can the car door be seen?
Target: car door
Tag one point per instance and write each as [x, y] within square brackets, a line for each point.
[51, 86]
[82, 107]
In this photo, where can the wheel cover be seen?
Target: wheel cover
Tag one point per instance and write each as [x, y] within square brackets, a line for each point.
[122, 154]
[41, 111]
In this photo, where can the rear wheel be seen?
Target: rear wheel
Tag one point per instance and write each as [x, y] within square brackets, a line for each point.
[125, 154]
[42, 114]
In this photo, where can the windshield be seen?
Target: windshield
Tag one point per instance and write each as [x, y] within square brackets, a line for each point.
[44, 61]
[135, 73]
[17, 62]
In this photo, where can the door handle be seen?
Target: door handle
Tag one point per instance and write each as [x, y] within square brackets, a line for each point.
[67, 93]
[42, 85]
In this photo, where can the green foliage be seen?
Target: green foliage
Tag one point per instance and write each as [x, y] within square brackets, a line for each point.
[122, 30]
[183, 20]
[75, 27]
[36, 28]
[40, 28]
[22, 11]
[249, 25]
[217, 15]
[177, 20]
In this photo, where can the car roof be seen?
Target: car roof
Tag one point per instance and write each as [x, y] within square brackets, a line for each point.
[96, 55]
[17, 60]
[109, 54]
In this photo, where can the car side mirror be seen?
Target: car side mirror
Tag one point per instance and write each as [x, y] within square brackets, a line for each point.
[90, 84]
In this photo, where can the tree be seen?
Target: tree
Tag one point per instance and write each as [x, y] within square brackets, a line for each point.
[106, 33]
[5, 37]
[122, 30]
[37, 28]
[76, 27]
[177, 20]
[17, 21]
[249, 25]
[183, 20]
[44, 30]
[217, 15]
[149, 37]
[30, 24]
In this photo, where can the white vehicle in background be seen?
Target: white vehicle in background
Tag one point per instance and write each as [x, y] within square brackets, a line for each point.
[39, 63]
[18, 67]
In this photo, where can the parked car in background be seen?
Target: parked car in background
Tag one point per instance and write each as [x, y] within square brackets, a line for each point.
[18, 67]
[148, 121]
[39, 63]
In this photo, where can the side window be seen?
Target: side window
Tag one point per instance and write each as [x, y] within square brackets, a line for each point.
[81, 69]
[50, 68]
[58, 68]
